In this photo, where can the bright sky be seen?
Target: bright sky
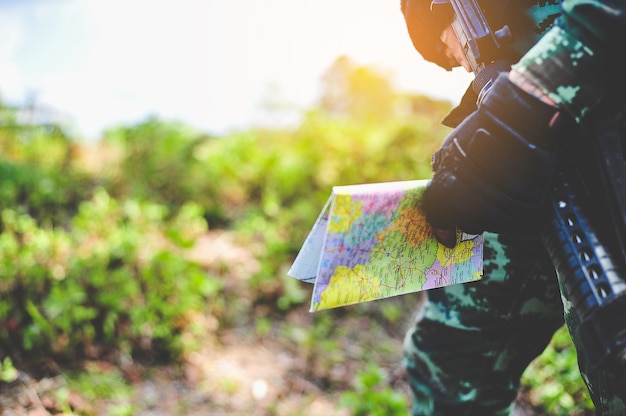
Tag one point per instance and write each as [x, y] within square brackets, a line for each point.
[210, 63]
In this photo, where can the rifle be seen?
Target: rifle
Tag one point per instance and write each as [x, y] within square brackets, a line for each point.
[588, 254]
[482, 46]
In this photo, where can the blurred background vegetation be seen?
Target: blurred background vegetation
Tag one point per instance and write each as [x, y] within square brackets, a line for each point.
[147, 271]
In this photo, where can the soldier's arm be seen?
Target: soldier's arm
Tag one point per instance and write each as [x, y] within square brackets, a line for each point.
[576, 63]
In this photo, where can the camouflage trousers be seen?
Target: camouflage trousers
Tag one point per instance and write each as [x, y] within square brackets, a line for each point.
[472, 342]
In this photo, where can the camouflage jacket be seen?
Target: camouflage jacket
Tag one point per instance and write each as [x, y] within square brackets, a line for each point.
[577, 61]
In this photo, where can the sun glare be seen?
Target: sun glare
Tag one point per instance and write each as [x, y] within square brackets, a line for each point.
[208, 63]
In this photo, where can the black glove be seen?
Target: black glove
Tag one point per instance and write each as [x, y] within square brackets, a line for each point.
[494, 171]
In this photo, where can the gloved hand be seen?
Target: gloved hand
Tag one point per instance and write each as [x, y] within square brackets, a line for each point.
[494, 171]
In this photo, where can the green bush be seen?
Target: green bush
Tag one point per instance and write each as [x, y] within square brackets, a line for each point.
[48, 194]
[157, 162]
[372, 396]
[85, 270]
[270, 184]
[116, 279]
[554, 381]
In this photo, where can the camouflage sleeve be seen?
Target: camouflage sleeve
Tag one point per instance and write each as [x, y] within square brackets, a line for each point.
[576, 62]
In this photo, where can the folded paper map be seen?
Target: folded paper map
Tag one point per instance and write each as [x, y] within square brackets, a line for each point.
[372, 241]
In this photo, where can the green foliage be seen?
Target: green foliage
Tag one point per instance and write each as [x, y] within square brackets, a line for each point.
[23, 139]
[272, 184]
[269, 185]
[50, 195]
[8, 373]
[97, 383]
[114, 280]
[37, 174]
[354, 91]
[372, 396]
[554, 378]
[96, 262]
[274, 171]
[158, 162]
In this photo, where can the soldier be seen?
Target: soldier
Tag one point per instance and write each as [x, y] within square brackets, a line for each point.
[472, 342]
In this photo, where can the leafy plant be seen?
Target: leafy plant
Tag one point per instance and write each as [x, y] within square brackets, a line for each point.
[158, 162]
[115, 280]
[372, 396]
[554, 379]
[48, 194]
[92, 263]
[100, 383]
[8, 373]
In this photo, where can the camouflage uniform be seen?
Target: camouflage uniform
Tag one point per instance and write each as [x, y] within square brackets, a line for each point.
[468, 351]
[472, 342]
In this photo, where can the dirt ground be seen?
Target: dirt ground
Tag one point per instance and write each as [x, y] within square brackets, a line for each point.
[226, 377]
[292, 365]
[235, 374]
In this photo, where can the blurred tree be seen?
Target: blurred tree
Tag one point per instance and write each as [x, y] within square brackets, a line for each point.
[360, 92]
[158, 158]
[34, 133]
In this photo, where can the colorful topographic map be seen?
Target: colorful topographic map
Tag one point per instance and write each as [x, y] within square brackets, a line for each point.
[372, 241]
